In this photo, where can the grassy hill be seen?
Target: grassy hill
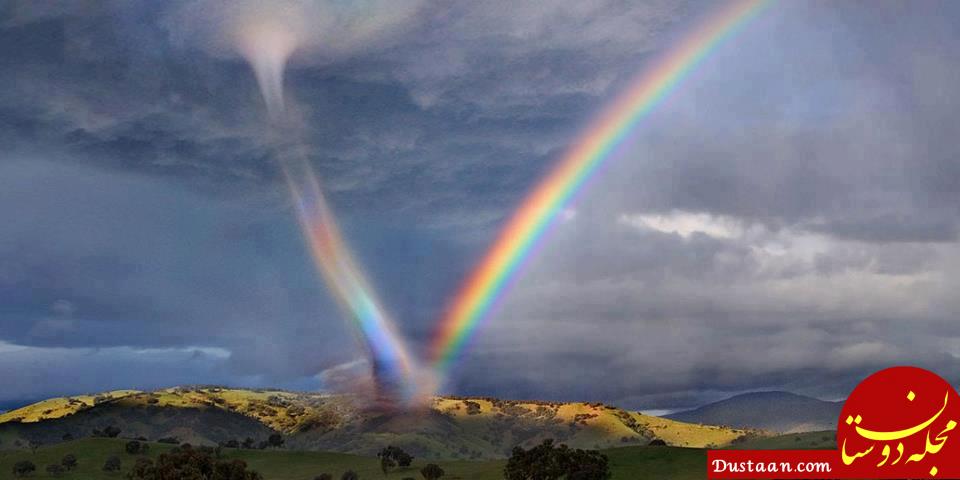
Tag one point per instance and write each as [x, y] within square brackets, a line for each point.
[773, 411]
[640, 463]
[448, 428]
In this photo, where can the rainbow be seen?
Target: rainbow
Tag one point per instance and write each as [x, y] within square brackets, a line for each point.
[392, 364]
[526, 227]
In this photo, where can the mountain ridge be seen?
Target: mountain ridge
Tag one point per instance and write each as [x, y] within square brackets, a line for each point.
[774, 411]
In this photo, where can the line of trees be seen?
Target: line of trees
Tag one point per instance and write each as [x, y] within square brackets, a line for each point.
[25, 468]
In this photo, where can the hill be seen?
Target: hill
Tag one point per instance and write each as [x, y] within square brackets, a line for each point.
[449, 427]
[772, 411]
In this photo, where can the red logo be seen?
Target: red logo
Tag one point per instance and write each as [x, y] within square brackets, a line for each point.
[898, 423]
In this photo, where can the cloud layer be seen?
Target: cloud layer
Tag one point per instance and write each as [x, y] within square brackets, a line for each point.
[787, 219]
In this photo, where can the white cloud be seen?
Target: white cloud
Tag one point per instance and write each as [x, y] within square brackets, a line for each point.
[685, 224]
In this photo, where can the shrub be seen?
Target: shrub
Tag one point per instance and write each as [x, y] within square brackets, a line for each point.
[112, 464]
[431, 471]
[69, 461]
[349, 475]
[141, 469]
[275, 440]
[23, 468]
[323, 476]
[134, 447]
[386, 463]
[397, 455]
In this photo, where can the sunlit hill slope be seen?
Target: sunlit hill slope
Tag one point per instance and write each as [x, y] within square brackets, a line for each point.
[466, 428]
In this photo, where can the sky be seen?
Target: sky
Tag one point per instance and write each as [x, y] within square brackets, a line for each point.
[786, 220]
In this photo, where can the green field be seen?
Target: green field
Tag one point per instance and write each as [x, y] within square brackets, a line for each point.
[825, 440]
[627, 463]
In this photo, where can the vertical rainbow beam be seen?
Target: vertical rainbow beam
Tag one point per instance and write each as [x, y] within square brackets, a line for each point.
[527, 225]
[392, 364]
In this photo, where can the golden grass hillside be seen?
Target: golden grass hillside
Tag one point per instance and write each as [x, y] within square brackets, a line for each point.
[449, 427]
[60, 407]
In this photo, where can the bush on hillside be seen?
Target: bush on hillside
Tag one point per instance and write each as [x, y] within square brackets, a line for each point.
[112, 464]
[23, 468]
[275, 440]
[69, 461]
[393, 456]
[432, 471]
[134, 447]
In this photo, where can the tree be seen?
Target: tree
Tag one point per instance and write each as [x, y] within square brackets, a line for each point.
[349, 475]
[23, 468]
[231, 444]
[386, 463]
[69, 461]
[248, 443]
[393, 456]
[432, 471]
[55, 470]
[275, 440]
[112, 464]
[141, 468]
[134, 447]
[549, 462]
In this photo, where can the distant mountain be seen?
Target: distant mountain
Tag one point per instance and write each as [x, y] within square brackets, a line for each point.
[447, 427]
[782, 412]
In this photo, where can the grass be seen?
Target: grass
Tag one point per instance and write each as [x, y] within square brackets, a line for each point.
[639, 463]
[59, 407]
[825, 440]
[643, 463]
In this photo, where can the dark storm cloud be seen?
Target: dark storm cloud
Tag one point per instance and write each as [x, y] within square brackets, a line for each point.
[787, 219]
